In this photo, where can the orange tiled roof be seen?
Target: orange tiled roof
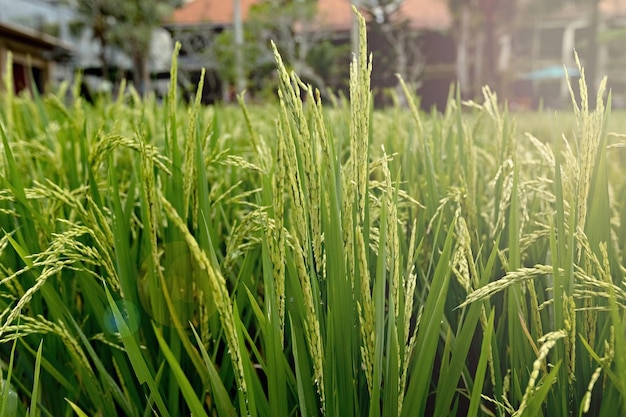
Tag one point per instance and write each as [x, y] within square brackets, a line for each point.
[431, 14]
[333, 14]
[214, 11]
[613, 7]
[422, 14]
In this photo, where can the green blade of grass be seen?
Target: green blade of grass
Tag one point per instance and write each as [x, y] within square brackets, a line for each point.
[520, 353]
[121, 230]
[562, 285]
[12, 180]
[252, 403]
[33, 412]
[77, 410]
[598, 224]
[380, 283]
[392, 368]
[536, 403]
[50, 368]
[187, 390]
[481, 368]
[9, 396]
[135, 356]
[428, 334]
[222, 399]
[620, 340]
[108, 381]
[275, 371]
[448, 381]
[306, 391]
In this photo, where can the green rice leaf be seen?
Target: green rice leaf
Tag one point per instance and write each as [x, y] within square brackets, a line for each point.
[428, 334]
[536, 402]
[449, 379]
[135, 356]
[222, 399]
[33, 411]
[77, 410]
[9, 398]
[479, 376]
[188, 392]
[306, 391]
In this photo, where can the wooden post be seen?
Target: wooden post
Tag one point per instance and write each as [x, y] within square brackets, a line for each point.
[591, 55]
[240, 80]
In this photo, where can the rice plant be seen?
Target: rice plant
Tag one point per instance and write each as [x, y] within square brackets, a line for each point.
[309, 258]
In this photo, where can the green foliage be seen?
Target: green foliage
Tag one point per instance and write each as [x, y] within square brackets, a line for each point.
[301, 259]
[304, 44]
[125, 24]
[225, 56]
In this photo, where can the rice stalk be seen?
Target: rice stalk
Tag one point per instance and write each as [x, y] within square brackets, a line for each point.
[190, 172]
[511, 278]
[277, 242]
[301, 169]
[365, 309]
[589, 125]
[548, 341]
[355, 186]
[217, 291]
[8, 93]
[311, 323]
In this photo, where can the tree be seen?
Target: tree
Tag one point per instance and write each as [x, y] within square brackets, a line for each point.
[128, 25]
[133, 31]
[97, 15]
[300, 38]
[407, 59]
[238, 45]
[592, 50]
[476, 24]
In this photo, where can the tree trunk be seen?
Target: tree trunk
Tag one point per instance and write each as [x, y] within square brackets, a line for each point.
[401, 70]
[103, 59]
[240, 80]
[100, 29]
[591, 67]
[478, 79]
[141, 75]
[462, 56]
[396, 37]
[490, 72]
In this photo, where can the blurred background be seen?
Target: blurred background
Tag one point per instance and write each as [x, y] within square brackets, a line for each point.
[522, 49]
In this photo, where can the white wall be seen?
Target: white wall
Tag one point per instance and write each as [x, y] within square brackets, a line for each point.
[32, 13]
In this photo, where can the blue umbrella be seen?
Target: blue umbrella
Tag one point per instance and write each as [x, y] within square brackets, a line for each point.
[551, 72]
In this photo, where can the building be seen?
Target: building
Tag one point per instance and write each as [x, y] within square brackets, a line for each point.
[58, 21]
[197, 24]
[35, 56]
[540, 47]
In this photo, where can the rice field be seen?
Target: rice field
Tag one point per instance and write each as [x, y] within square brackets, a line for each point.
[310, 258]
